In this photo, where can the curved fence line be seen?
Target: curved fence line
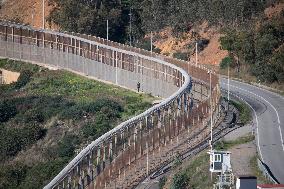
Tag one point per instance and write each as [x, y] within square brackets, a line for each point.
[186, 102]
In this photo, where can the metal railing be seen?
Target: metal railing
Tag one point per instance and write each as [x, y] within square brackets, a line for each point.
[185, 103]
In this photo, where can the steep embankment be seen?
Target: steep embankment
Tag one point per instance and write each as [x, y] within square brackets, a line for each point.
[25, 11]
[185, 43]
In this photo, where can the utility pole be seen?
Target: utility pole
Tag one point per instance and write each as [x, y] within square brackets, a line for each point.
[107, 29]
[130, 26]
[151, 42]
[33, 12]
[196, 53]
[211, 112]
[43, 14]
[228, 85]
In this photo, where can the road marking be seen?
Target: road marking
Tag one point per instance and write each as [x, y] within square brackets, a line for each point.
[256, 120]
[276, 94]
[278, 119]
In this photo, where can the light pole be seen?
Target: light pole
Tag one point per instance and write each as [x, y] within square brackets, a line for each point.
[151, 38]
[33, 12]
[211, 111]
[130, 26]
[228, 85]
[196, 53]
[43, 14]
[107, 29]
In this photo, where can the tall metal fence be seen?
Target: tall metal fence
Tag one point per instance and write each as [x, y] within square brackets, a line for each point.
[186, 99]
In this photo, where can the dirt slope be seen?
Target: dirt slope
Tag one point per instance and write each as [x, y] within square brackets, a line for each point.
[185, 43]
[25, 11]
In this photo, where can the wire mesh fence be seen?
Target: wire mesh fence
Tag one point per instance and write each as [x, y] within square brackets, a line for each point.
[186, 99]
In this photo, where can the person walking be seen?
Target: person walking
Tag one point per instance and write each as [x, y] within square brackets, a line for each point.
[138, 86]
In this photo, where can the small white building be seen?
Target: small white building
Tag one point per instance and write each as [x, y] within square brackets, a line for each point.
[220, 161]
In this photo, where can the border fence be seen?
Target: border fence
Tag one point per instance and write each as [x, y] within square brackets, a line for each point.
[185, 105]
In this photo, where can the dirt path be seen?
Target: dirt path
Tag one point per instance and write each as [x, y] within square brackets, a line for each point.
[241, 157]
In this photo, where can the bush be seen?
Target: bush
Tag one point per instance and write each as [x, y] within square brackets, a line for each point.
[245, 113]
[202, 43]
[98, 128]
[7, 110]
[67, 146]
[227, 61]
[179, 181]
[24, 78]
[73, 112]
[13, 140]
[34, 116]
[162, 182]
[181, 56]
[12, 175]
[96, 106]
[40, 174]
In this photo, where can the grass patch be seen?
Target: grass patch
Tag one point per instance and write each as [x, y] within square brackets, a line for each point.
[225, 145]
[257, 172]
[18, 66]
[48, 115]
[245, 112]
[196, 175]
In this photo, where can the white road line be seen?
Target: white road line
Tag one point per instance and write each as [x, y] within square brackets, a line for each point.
[260, 88]
[256, 121]
[278, 119]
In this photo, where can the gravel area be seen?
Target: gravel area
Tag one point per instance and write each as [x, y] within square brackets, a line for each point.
[242, 131]
[240, 158]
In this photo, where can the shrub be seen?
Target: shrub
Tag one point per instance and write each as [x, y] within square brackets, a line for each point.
[97, 128]
[73, 112]
[7, 110]
[181, 56]
[227, 61]
[13, 140]
[67, 146]
[12, 175]
[202, 43]
[96, 106]
[34, 116]
[162, 182]
[40, 174]
[179, 181]
[24, 78]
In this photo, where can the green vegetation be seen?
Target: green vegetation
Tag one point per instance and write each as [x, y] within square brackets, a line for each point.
[258, 49]
[225, 145]
[227, 61]
[90, 16]
[47, 116]
[162, 182]
[181, 56]
[257, 172]
[196, 175]
[255, 43]
[245, 112]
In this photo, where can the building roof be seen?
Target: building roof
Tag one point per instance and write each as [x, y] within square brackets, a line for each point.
[276, 186]
[246, 177]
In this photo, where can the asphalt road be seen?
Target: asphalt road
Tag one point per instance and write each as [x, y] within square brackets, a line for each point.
[268, 111]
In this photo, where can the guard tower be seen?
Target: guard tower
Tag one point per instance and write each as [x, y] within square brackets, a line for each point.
[220, 163]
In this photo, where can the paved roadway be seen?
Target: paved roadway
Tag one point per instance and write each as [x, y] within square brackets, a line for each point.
[268, 111]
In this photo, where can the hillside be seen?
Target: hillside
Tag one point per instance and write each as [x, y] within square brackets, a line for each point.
[211, 54]
[25, 11]
[48, 116]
